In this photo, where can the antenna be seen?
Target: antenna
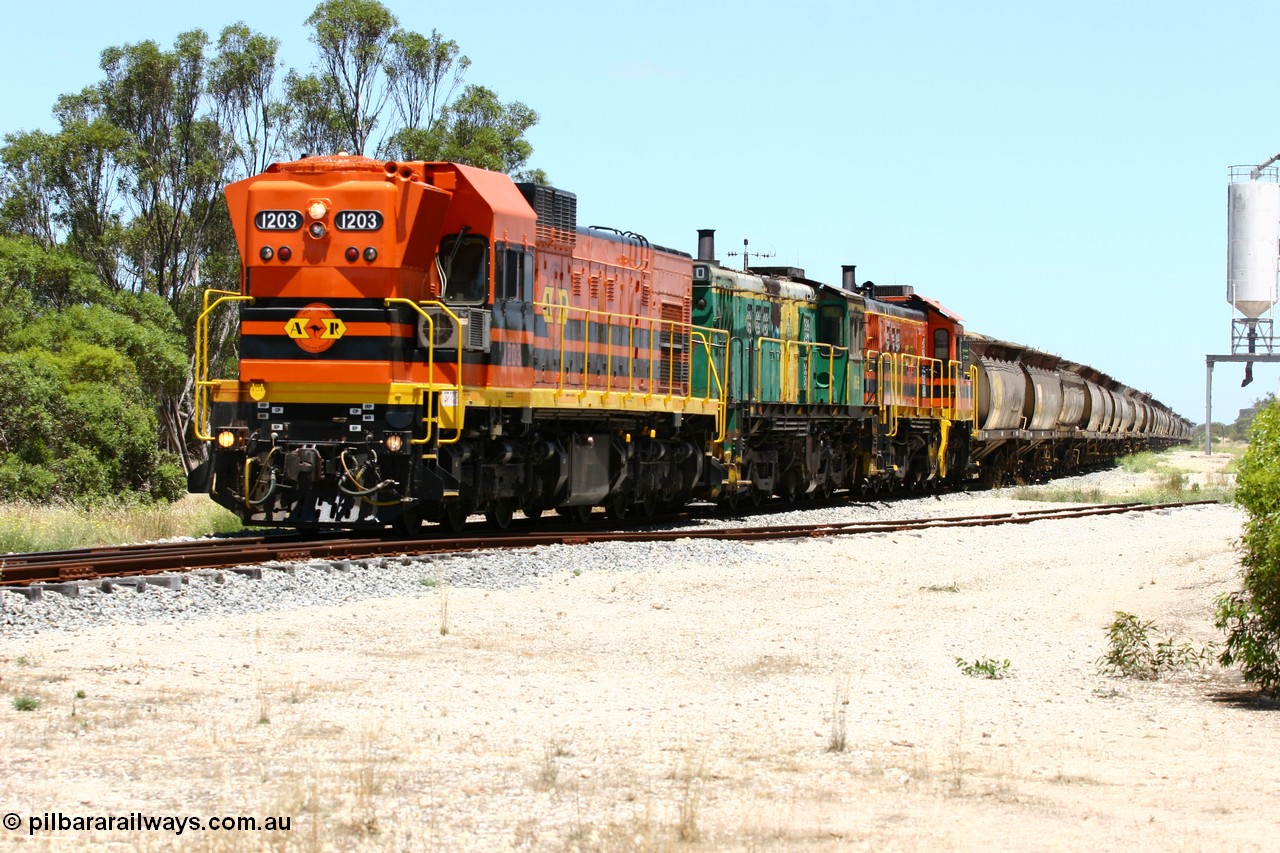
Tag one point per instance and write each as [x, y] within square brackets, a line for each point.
[747, 256]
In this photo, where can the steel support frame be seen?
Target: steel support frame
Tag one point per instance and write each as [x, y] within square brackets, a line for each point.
[1210, 361]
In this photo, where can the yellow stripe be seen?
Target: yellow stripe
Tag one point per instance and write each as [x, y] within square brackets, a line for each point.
[551, 398]
[510, 398]
[395, 394]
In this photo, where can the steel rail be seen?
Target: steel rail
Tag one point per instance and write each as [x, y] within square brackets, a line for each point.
[18, 570]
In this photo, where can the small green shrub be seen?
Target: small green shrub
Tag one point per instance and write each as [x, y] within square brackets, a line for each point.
[1130, 653]
[25, 703]
[1141, 462]
[984, 668]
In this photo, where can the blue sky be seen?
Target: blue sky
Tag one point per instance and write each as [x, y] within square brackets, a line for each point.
[1055, 174]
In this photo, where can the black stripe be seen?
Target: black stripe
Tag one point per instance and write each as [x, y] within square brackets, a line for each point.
[284, 313]
[335, 304]
[351, 348]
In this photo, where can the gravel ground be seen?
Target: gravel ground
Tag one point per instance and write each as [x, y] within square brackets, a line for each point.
[703, 695]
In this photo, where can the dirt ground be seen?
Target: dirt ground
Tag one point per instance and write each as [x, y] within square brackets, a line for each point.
[813, 698]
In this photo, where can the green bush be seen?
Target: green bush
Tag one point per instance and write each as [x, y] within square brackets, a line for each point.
[1131, 654]
[1251, 617]
[77, 424]
[168, 481]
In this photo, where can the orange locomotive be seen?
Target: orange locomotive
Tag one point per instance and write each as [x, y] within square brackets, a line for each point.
[428, 340]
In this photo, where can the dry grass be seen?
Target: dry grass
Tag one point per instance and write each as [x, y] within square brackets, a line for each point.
[1170, 476]
[30, 527]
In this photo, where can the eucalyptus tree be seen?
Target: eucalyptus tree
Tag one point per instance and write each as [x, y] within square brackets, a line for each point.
[367, 62]
[353, 41]
[245, 91]
[482, 131]
[28, 205]
[62, 189]
[176, 160]
[314, 123]
[423, 74]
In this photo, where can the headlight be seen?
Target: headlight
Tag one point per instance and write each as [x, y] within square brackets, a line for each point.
[317, 210]
[226, 439]
[395, 442]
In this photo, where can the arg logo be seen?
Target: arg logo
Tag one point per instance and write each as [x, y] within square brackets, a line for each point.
[315, 328]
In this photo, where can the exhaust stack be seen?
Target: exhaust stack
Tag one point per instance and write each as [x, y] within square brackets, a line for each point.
[849, 277]
[707, 245]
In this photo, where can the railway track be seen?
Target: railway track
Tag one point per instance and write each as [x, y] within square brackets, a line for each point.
[161, 564]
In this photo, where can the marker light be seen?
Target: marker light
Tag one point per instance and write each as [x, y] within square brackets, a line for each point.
[317, 210]
[316, 230]
[226, 439]
[370, 254]
[285, 253]
[266, 253]
[353, 254]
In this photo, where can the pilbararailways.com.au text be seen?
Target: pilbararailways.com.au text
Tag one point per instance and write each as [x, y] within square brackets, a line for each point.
[140, 822]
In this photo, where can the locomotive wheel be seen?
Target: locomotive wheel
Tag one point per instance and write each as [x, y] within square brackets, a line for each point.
[618, 507]
[453, 518]
[532, 512]
[787, 488]
[408, 523]
[499, 514]
[574, 513]
[649, 506]
[758, 497]
[731, 500]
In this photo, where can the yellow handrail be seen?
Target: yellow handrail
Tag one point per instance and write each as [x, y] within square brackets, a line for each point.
[787, 361]
[722, 408]
[204, 384]
[433, 407]
[705, 337]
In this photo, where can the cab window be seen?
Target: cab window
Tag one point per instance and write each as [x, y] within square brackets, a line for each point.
[513, 274]
[941, 344]
[466, 268]
[831, 325]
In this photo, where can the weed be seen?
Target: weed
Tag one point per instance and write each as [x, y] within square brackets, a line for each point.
[25, 703]
[1142, 462]
[366, 786]
[1063, 495]
[23, 660]
[264, 705]
[429, 583]
[549, 770]
[984, 668]
[687, 829]
[938, 587]
[444, 611]
[1131, 654]
[958, 756]
[79, 694]
[839, 717]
